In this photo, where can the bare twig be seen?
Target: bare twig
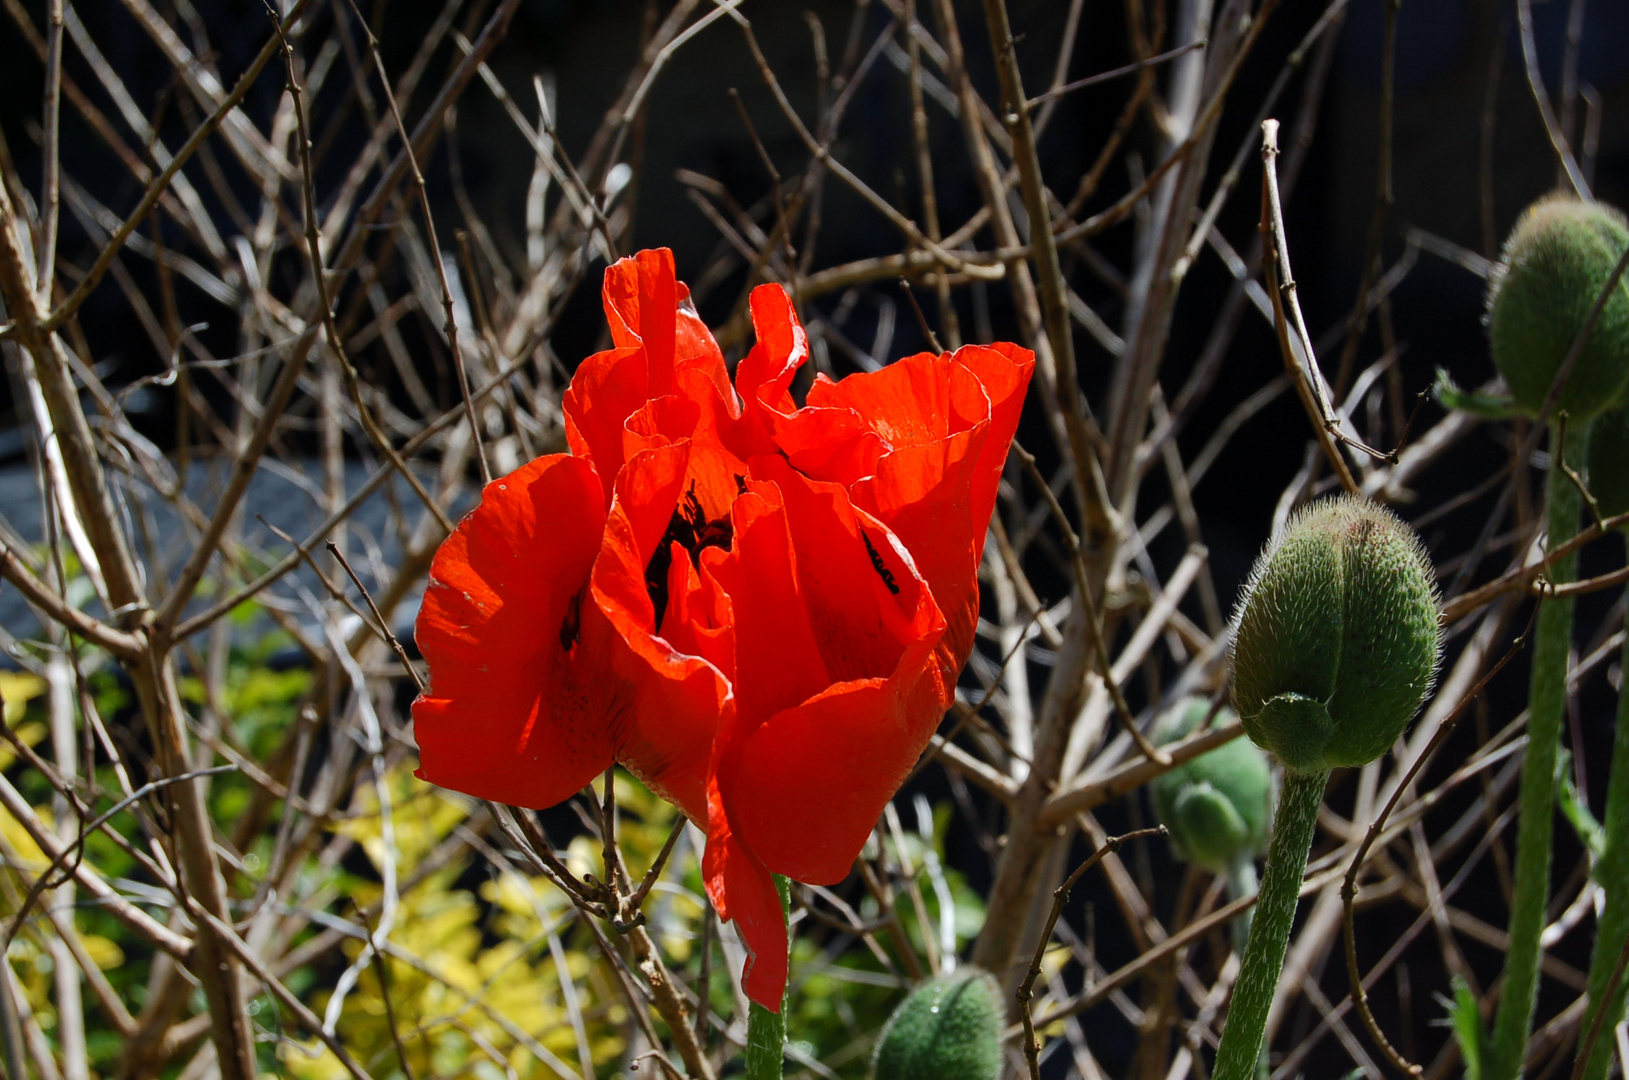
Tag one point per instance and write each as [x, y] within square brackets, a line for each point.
[93, 277]
[1303, 368]
[1060, 897]
[1349, 882]
[449, 324]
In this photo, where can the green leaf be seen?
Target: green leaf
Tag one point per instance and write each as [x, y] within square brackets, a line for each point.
[1488, 406]
[1469, 1030]
[1589, 831]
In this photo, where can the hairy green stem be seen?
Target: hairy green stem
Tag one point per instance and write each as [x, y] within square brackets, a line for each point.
[1612, 872]
[766, 1031]
[1242, 882]
[1546, 703]
[1297, 819]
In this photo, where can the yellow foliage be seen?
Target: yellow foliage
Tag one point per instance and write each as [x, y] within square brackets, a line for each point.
[104, 954]
[16, 688]
[29, 733]
[19, 840]
[474, 978]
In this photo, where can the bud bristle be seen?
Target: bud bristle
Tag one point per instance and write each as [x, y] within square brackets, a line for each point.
[949, 1028]
[1337, 638]
[1554, 265]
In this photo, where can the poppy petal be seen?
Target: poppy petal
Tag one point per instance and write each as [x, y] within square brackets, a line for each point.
[834, 444]
[699, 620]
[924, 494]
[743, 891]
[1004, 370]
[605, 391]
[907, 402]
[697, 353]
[949, 421]
[864, 600]
[809, 784]
[641, 298]
[518, 708]
[778, 661]
[666, 738]
[764, 375]
[846, 747]
[658, 422]
[646, 305]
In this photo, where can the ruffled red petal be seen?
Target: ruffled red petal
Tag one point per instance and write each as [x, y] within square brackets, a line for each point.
[1004, 370]
[946, 423]
[641, 297]
[519, 708]
[699, 620]
[778, 660]
[646, 305]
[666, 734]
[764, 376]
[809, 784]
[662, 351]
[606, 390]
[742, 890]
[834, 630]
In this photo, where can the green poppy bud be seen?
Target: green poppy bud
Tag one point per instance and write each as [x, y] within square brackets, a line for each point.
[947, 1029]
[1337, 639]
[1554, 265]
[1609, 462]
[1218, 805]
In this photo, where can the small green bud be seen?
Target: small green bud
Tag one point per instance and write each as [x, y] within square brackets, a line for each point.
[1337, 639]
[1609, 462]
[1218, 805]
[1554, 265]
[947, 1029]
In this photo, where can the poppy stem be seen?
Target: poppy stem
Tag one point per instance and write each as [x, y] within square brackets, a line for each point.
[1240, 1050]
[1242, 882]
[1612, 873]
[1546, 706]
[766, 1031]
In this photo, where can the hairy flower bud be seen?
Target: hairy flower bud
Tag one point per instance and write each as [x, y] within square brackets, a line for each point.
[1554, 265]
[1609, 462]
[1337, 639]
[947, 1029]
[1218, 805]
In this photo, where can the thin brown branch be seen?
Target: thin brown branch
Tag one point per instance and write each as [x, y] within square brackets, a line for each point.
[1060, 897]
[93, 277]
[1281, 287]
[449, 325]
[1349, 882]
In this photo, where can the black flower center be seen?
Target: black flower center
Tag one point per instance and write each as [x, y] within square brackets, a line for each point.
[690, 527]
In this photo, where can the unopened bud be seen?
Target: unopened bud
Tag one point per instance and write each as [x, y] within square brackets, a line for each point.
[947, 1029]
[1218, 805]
[1555, 264]
[1337, 639]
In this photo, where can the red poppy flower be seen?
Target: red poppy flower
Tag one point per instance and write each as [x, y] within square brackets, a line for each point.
[759, 609]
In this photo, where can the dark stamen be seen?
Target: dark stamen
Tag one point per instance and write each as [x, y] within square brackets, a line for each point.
[879, 566]
[572, 624]
[691, 529]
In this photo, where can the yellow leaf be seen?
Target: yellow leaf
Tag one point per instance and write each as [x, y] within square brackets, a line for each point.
[104, 953]
[29, 734]
[16, 688]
